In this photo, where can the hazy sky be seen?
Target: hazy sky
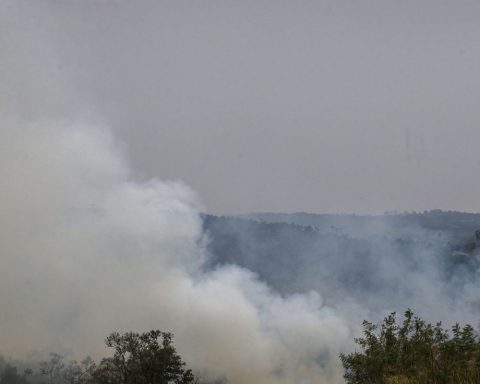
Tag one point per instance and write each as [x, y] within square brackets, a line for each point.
[320, 106]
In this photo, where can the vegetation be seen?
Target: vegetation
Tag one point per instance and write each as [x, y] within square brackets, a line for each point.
[413, 352]
[410, 351]
[146, 358]
[142, 359]
[328, 250]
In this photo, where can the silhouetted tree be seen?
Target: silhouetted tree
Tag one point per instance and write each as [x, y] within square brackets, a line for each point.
[10, 375]
[53, 369]
[147, 358]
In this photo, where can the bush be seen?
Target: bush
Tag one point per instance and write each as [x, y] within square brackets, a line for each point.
[413, 352]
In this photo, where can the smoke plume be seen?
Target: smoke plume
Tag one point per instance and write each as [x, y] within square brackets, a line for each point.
[86, 250]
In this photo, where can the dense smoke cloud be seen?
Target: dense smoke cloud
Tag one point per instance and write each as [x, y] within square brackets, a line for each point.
[87, 250]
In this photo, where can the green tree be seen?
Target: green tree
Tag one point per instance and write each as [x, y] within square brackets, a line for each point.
[413, 352]
[147, 358]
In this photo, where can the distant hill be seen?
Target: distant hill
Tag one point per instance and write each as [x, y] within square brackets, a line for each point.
[350, 256]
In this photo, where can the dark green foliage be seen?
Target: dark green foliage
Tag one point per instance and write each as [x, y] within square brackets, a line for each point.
[413, 352]
[147, 358]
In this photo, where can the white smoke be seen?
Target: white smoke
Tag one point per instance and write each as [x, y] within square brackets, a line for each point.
[86, 250]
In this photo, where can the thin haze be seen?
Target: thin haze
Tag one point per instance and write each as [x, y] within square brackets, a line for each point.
[325, 106]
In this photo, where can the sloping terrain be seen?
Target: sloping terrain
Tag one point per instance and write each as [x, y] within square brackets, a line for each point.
[381, 260]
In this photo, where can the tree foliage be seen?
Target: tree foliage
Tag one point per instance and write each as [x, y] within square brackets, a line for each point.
[137, 358]
[413, 352]
[147, 358]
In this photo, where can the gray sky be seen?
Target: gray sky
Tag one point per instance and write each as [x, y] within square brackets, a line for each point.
[319, 106]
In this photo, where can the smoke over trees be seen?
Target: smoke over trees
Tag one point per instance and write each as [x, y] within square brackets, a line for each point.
[77, 229]
[90, 244]
[146, 358]
[87, 248]
[409, 352]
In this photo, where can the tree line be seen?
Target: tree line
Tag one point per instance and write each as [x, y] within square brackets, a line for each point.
[410, 351]
[137, 358]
